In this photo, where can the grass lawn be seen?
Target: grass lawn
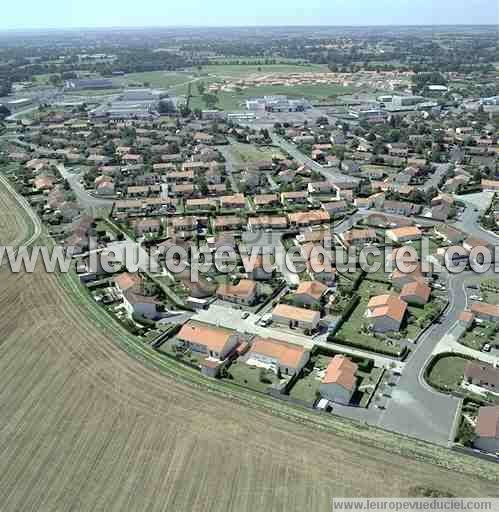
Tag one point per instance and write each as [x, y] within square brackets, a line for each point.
[351, 330]
[448, 372]
[247, 153]
[249, 376]
[306, 387]
[479, 336]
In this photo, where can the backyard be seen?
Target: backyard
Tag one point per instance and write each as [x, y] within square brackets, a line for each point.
[306, 388]
[257, 379]
[352, 331]
[481, 334]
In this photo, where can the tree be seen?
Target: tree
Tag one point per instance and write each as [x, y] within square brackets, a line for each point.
[4, 112]
[201, 88]
[166, 107]
[210, 100]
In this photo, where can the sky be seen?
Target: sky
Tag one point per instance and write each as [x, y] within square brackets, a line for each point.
[128, 13]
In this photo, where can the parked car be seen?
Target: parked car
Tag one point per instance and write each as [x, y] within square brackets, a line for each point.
[245, 315]
[487, 347]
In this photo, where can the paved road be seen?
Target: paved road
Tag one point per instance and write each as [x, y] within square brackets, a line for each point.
[437, 177]
[476, 205]
[230, 166]
[328, 173]
[415, 408]
[84, 199]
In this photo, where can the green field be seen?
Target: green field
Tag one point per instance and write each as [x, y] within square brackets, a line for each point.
[159, 79]
[448, 372]
[244, 70]
[247, 153]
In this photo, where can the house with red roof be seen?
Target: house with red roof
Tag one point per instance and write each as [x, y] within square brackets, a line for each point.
[340, 380]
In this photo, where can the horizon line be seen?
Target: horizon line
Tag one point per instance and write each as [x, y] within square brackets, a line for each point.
[270, 26]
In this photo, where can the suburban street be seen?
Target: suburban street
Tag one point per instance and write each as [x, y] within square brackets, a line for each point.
[229, 166]
[327, 172]
[476, 205]
[86, 201]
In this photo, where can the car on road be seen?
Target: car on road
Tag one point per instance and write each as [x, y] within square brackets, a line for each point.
[245, 315]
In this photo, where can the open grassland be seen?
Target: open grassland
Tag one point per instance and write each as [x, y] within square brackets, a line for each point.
[158, 79]
[86, 426]
[227, 71]
[247, 153]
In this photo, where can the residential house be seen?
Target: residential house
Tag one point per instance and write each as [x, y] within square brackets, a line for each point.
[405, 234]
[417, 293]
[184, 227]
[401, 208]
[147, 226]
[295, 317]
[236, 201]
[487, 312]
[257, 268]
[104, 186]
[228, 223]
[449, 234]
[278, 356]
[43, 183]
[296, 197]
[487, 429]
[483, 375]
[335, 207]
[214, 342]
[202, 204]
[359, 237]
[266, 201]
[267, 222]
[386, 313]
[340, 380]
[310, 218]
[490, 185]
[322, 187]
[135, 300]
[244, 292]
[400, 279]
[309, 293]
